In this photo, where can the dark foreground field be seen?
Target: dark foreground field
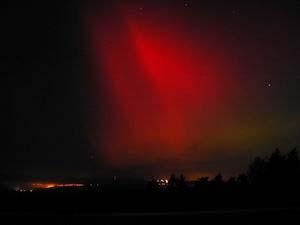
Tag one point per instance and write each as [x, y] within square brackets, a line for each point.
[241, 216]
[148, 208]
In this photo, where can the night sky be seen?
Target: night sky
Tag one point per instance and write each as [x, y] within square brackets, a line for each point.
[146, 88]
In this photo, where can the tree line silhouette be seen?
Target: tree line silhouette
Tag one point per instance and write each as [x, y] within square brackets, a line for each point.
[276, 171]
[273, 181]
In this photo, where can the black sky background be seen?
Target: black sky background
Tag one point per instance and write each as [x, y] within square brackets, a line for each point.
[45, 79]
[44, 64]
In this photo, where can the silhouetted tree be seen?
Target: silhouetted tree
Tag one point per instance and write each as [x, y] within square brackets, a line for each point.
[256, 171]
[293, 168]
[182, 183]
[172, 184]
[231, 181]
[218, 180]
[293, 161]
[242, 180]
[202, 182]
[275, 169]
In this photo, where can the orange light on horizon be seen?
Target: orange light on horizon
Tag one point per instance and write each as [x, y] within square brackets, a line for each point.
[53, 185]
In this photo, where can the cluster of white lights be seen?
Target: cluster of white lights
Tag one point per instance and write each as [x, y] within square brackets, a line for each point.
[162, 182]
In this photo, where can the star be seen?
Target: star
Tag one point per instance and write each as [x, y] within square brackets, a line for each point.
[186, 4]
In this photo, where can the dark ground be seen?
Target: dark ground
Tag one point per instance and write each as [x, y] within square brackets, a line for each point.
[148, 208]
